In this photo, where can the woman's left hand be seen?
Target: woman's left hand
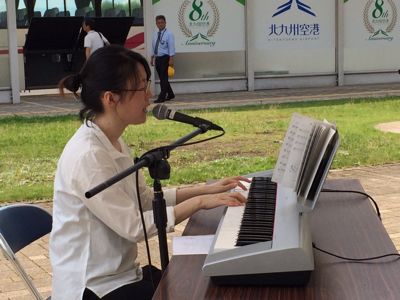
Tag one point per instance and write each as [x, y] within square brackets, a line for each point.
[227, 184]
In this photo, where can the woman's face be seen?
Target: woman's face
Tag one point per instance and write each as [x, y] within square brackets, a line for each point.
[133, 107]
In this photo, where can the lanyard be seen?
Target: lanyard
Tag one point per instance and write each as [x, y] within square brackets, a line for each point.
[162, 34]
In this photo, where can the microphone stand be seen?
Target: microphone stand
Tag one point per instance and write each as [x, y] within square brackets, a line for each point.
[159, 168]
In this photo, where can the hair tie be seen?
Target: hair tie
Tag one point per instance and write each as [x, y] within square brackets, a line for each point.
[78, 78]
[76, 81]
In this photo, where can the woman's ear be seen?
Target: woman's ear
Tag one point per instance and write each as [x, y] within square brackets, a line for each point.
[110, 99]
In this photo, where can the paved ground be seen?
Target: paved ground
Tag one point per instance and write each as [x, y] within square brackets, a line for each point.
[381, 182]
[54, 104]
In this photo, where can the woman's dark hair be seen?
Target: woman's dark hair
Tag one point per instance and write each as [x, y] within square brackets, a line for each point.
[109, 68]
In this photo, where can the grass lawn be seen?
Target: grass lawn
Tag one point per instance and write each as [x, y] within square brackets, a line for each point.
[31, 146]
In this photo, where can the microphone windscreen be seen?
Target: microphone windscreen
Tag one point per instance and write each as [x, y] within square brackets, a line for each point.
[160, 111]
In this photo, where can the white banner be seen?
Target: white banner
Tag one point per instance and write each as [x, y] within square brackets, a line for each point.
[371, 23]
[204, 25]
[371, 35]
[300, 24]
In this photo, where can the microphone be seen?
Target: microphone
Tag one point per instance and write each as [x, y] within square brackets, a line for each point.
[162, 112]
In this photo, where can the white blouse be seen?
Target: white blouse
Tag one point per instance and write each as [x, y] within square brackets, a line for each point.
[93, 241]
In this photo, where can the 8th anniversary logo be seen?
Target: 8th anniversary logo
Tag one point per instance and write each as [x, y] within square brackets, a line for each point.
[380, 19]
[199, 21]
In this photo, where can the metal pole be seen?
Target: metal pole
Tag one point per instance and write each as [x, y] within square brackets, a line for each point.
[13, 51]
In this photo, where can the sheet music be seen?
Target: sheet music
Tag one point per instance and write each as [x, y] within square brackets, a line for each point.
[291, 157]
[190, 245]
[324, 134]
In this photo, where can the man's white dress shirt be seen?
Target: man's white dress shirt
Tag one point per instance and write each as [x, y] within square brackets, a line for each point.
[93, 241]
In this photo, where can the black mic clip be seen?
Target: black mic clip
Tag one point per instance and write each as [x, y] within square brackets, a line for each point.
[160, 170]
[204, 126]
[157, 163]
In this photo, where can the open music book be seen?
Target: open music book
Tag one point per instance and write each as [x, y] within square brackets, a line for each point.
[305, 158]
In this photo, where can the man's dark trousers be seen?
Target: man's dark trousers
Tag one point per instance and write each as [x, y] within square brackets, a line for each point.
[162, 70]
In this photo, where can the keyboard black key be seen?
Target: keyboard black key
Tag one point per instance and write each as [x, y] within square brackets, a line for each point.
[258, 218]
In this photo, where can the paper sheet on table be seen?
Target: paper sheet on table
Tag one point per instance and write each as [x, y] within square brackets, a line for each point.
[188, 245]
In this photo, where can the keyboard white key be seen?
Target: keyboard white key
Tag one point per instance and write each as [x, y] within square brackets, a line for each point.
[229, 228]
[258, 221]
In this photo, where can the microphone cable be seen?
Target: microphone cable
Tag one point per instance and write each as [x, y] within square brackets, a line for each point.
[146, 239]
[356, 259]
[379, 216]
[171, 147]
[356, 192]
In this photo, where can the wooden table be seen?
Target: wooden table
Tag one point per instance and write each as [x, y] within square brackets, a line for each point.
[343, 223]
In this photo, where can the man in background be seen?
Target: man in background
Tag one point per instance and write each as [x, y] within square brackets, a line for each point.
[93, 39]
[163, 51]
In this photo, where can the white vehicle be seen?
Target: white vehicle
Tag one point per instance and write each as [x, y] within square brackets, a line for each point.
[42, 28]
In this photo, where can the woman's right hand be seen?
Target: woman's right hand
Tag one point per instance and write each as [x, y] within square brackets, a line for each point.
[187, 208]
[214, 200]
